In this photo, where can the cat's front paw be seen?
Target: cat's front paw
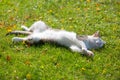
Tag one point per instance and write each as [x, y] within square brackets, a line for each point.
[87, 52]
[90, 53]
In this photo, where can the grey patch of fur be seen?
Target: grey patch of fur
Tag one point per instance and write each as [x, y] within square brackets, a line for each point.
[82, 37]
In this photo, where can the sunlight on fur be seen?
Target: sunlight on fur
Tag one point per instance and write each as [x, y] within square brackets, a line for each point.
[40, 31]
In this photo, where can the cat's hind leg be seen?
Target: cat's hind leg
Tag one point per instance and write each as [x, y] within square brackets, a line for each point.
[38, 26]
[18, 39]
[25, 28]
[19, 32]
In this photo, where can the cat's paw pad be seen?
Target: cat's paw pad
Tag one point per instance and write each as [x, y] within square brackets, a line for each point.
[24, 28]
[87, 52]
[90, 53]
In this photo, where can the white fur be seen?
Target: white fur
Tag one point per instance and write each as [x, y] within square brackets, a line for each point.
[38, 26]
[40, 31]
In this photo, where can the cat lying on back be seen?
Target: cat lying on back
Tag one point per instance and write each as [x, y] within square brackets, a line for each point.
[39, 31]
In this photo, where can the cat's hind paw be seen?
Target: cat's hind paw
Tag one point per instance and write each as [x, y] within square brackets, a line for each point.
[16, 39]
[24, 28]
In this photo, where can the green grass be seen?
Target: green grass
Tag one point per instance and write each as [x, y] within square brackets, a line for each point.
[51, 62]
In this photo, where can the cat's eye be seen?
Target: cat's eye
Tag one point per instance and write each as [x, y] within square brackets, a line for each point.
[98, 43]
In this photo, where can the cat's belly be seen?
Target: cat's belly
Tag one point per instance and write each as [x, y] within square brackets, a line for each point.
[61, 37]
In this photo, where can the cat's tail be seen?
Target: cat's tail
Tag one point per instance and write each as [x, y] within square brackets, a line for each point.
[19, 32]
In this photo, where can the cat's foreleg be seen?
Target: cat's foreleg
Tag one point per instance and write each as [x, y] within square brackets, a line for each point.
[84, 49]
[18, 39]
[87, 52]
[75, 49]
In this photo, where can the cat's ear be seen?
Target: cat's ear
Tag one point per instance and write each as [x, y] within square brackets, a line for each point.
[96, 34]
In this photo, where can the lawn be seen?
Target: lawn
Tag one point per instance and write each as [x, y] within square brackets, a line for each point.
[53, 62]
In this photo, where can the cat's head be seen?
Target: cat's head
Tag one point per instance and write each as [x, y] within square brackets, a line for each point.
[96, 41]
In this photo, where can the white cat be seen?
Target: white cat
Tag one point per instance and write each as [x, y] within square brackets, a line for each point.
[39, 31]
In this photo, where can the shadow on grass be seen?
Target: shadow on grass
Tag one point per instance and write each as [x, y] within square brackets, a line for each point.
[54, 44]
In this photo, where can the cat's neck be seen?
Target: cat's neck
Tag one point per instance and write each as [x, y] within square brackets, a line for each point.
[90, 43]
